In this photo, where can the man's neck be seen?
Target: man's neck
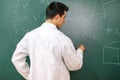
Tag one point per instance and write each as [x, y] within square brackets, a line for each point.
[51, 21]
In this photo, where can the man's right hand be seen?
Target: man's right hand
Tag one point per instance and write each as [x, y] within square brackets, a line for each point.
[82, 47]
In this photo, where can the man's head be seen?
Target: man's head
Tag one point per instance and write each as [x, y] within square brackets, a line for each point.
[56, 12]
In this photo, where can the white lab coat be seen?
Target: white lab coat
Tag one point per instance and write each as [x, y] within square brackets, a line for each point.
[51, 53]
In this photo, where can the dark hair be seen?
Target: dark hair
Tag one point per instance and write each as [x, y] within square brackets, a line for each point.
[55, 8]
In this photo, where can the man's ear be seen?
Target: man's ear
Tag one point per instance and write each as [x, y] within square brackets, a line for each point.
[57, 19]
[57, 16]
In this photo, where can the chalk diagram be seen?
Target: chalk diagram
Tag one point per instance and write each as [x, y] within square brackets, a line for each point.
[111, 53]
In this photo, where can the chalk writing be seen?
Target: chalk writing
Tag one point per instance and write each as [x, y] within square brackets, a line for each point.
[15, 27]
[92, 15]
[44, 1]
[35, 19]
[17, 3]
[109, 30]
[26, 3]
[96, 13]
[115, 31]
[15, 12]
[108, 2]
[48, 1]
[111, 53]
[104, 11]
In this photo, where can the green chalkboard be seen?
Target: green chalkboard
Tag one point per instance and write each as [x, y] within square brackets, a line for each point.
[94, 23]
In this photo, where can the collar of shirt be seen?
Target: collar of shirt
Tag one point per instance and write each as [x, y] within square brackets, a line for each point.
[50, 25]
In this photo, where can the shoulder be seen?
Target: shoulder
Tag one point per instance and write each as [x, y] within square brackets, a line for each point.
[65, 38]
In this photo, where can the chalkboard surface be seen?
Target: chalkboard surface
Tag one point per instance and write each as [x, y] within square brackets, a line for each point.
[94, 23]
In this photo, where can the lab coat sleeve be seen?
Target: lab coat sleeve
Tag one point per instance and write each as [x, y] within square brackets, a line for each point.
[73, 58]
[19, 58]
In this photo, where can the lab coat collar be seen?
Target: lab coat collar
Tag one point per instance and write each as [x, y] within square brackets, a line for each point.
[50, 25]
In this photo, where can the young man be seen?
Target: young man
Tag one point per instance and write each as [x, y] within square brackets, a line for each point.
[51, 53]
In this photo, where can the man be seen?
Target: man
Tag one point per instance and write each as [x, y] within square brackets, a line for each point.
[51, 53]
